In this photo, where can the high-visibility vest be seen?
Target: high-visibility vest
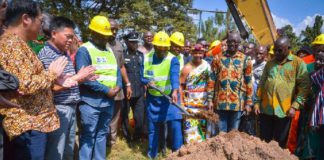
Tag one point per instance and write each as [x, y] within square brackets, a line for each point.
[181, 61]
[158, 73]
[105, 64]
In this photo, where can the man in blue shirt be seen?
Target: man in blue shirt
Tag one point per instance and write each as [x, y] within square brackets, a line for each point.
[161, 69]
[60, 143]
[97, 97]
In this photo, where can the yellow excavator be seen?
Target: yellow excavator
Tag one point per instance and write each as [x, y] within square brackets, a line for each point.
[257, 16]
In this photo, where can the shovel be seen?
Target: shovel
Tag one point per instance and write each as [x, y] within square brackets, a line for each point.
[201, 114]
[182, 109]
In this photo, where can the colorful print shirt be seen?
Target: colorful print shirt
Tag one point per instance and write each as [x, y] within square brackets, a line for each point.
[37, 110]
[197, 83]
[283, 86]
[233, 81]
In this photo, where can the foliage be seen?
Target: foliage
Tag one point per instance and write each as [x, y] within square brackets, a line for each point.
[294, 40]
[141, 15]
[310, 33]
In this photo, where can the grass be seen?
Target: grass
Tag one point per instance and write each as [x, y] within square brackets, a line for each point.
[122, 151]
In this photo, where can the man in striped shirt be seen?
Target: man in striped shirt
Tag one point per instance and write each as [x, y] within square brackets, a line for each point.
[60, 143]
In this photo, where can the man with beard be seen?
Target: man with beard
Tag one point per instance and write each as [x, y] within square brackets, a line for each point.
[233, 86]
[195, 79]
[161, 69]
[283, 88]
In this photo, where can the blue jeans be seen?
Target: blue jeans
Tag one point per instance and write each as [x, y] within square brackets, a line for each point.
[229, 120]
[94, 130]
[174, 126]
[60, 143]
[28, 146]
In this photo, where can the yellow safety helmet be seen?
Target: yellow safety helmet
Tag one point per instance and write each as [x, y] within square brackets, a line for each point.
[271, 51]
[213, 44]
[319, 40]
[101, 25]
[161, 39]
[177, 38]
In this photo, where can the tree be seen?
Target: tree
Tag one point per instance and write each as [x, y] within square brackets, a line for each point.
[310, 33]
[138, 14]
[209, 31]
[294, 40]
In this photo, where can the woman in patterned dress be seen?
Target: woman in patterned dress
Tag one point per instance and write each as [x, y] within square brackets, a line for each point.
[195, 78]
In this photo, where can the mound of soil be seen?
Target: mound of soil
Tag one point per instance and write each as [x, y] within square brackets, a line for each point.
[234, 145]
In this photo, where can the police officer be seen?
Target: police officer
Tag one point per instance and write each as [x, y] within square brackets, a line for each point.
[133, 61]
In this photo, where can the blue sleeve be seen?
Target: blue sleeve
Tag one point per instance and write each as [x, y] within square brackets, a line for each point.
[119, 79]
[175, 73]
[144, 80]
[83, 59]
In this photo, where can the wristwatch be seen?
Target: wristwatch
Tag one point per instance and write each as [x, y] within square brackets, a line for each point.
[128, 84]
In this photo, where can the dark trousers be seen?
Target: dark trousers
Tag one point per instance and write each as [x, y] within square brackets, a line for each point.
[274, 128]
[30, 145]
[321, 148]
[138, 108]
[163, 136]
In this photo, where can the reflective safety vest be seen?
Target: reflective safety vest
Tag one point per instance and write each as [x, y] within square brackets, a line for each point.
[158, 73]
[105, 64]
[181, 61]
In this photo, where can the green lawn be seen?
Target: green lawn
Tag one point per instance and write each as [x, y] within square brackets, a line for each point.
[121, 151]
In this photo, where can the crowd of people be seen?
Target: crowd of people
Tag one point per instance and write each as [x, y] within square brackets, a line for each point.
[53, 86]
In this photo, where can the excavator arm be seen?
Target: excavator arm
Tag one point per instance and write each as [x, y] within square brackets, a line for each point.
[257, 16]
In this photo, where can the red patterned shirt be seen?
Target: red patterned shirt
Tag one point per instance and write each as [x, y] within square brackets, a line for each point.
[233, 81]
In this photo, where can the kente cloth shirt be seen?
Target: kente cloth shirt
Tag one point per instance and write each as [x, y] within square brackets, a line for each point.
[233, 81]
[283, 86]
[37, 110]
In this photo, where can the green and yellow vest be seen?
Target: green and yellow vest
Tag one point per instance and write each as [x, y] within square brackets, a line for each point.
[158, 73]
[105, 64]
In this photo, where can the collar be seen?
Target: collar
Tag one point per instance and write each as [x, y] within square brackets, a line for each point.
[54, 49]
[290, 57]
[237, 54]
[136, 53]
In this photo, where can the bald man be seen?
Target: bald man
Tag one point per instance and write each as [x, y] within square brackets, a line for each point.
[147, 46]
[233, 84]
[283, 88]
[258, 67]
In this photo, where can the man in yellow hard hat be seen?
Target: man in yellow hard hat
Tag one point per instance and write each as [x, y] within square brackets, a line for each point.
[177, 44]
[97, 97]
[161, 69]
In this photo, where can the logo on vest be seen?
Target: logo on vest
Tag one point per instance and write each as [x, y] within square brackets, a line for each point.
[101, 60]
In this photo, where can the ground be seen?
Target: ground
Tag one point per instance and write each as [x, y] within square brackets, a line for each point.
[122, 151]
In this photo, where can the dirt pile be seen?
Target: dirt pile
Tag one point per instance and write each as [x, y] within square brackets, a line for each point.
[232, 146]
[203, 114]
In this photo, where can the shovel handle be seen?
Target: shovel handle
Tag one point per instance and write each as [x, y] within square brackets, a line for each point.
[170, 99]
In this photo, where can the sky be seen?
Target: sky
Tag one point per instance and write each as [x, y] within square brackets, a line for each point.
[298, 13]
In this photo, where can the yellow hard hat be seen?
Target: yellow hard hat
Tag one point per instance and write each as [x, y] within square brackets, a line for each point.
[271, 51]
[215, 43]
[177, 38]
[319, 39]
[161, 39]
[101, 25]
